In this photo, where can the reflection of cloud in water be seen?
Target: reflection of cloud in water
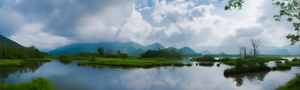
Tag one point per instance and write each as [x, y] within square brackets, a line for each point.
[136, 80]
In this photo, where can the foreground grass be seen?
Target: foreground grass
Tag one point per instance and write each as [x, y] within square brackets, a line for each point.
[35, 84]
[11, 62]
[125, 62]
[293, 84]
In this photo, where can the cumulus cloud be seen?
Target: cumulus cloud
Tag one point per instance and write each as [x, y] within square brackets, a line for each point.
[198, 24]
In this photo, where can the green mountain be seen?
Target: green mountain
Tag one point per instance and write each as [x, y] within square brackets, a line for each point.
[8, 42]
[130, 48]
[187, 50]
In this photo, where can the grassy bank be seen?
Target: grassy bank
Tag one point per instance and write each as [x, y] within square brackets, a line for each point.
[11, 62]
[125, 62]
[35, 84]
[293, 84]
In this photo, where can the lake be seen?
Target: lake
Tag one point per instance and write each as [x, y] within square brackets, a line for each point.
[70, 76]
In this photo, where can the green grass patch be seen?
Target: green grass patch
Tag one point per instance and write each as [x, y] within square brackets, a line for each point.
[125, 62]
[178, 64]
[295, 63]
[35, 84]
[11, 62]
[39, 59]
[283, 66]
[293, 84]
[278, 62]
[188, 64]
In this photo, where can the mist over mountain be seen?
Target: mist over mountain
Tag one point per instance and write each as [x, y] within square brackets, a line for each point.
[131, 48]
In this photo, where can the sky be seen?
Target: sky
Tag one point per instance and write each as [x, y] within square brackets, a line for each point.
[199, 24]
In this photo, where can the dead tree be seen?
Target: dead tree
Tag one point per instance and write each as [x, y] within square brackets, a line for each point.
[243, 51]
[255, 44]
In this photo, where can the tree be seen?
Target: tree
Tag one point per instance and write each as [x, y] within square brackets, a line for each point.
[255, 44]
[119, 52]
[289, 8]
[101, 51]
[243, 51]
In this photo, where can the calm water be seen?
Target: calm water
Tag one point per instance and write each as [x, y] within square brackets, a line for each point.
[69, 76]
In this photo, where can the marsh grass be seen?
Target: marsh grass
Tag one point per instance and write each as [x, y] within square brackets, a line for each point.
[125, 62]
[283, 66]
[206, 63]
[11, 62]
[278, 62]
[188, 64]
[39, 59]
[247, 65]
[295, 63]
[35, 84]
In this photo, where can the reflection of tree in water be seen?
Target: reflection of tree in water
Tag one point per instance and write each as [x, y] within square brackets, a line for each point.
[65, 62]
[27, 67]
[250, 76]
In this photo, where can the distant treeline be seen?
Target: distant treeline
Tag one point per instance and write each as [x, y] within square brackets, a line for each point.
[161, 54]
[17, 52]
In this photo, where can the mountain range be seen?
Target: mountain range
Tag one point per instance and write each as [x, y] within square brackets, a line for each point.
[131, 48]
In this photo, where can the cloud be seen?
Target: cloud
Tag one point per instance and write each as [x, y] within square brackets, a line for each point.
[31, 34]
[197, 24]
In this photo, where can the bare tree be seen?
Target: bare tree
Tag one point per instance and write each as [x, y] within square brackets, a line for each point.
[243, 51]
[255, 44]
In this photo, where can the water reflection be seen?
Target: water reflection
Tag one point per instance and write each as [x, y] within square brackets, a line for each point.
[250, 76]
[95, 77]
[31, 66]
